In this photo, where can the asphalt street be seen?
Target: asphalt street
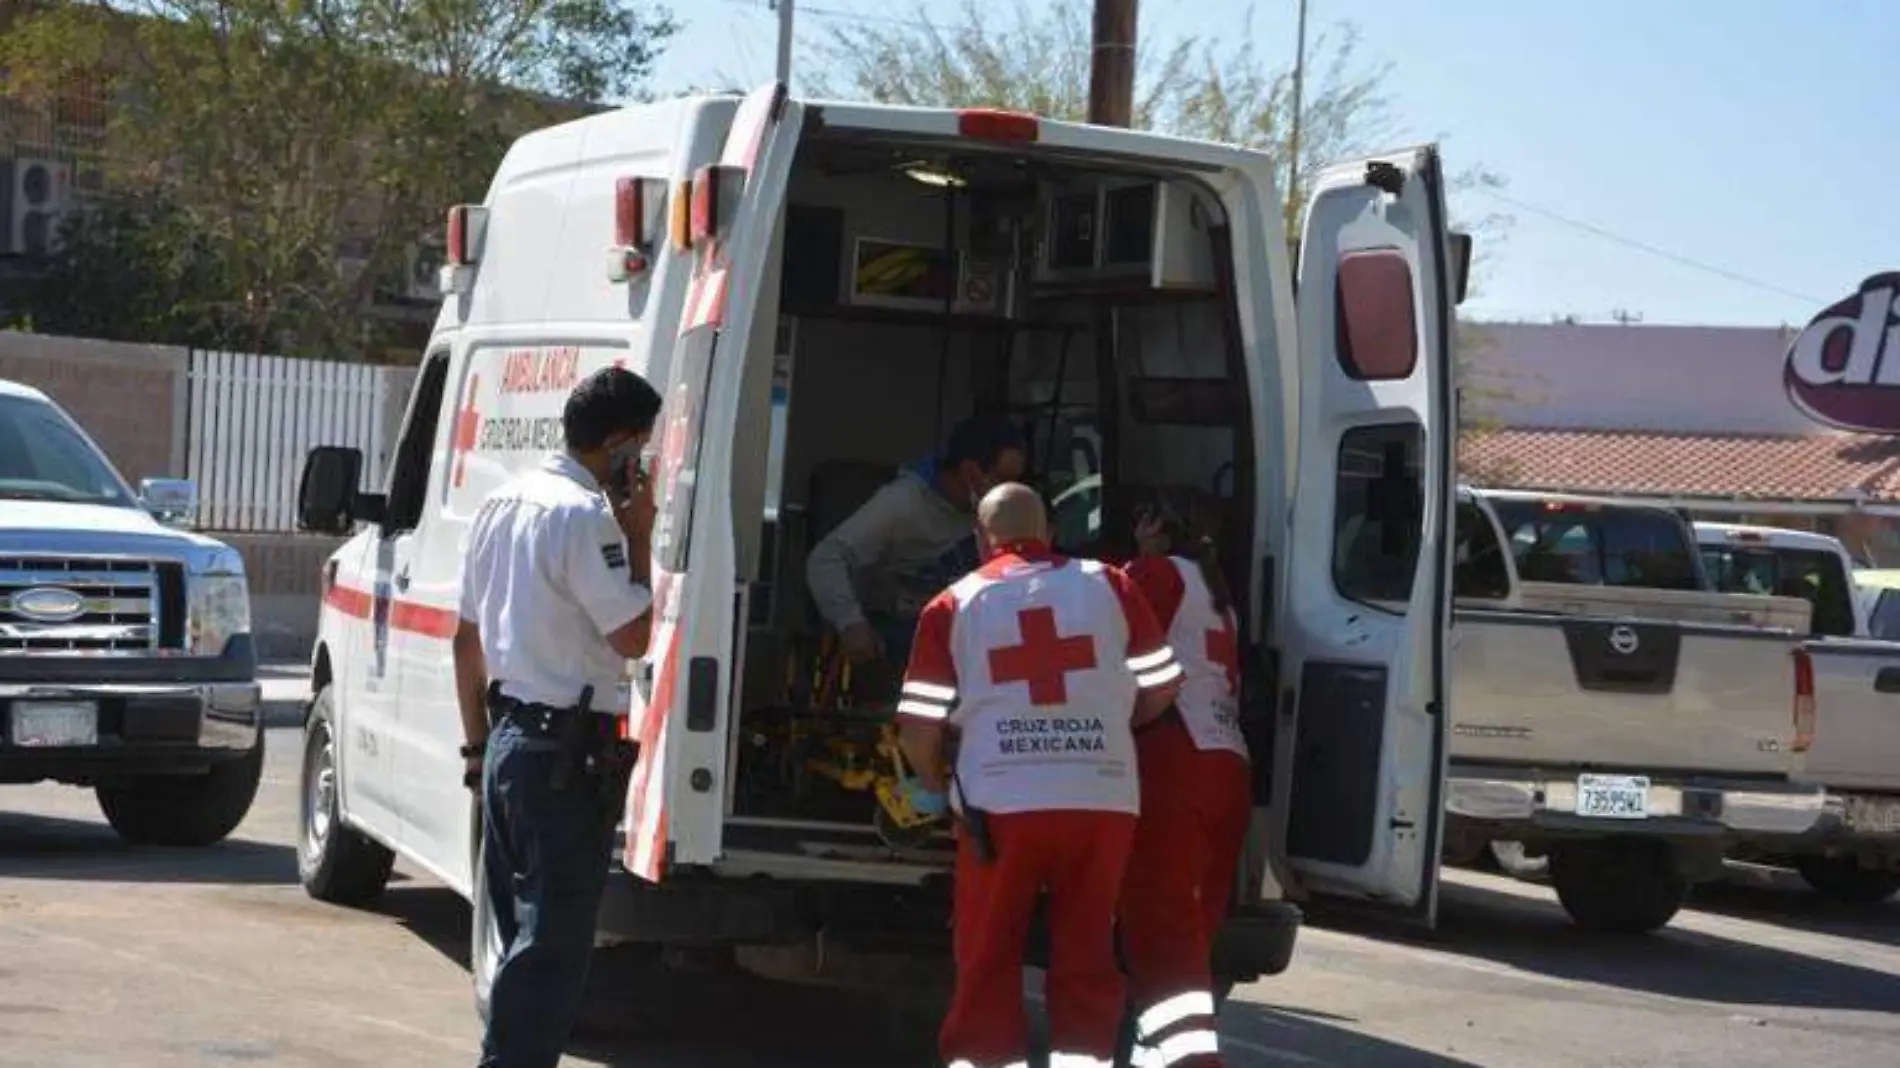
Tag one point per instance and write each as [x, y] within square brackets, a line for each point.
[114, 955]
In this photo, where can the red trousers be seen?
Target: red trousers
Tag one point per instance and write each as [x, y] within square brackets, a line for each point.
[1195, 806]
[1078, 858]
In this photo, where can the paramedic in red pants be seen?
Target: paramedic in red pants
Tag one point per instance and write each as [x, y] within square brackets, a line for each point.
[1042, 664]
[1196, 800]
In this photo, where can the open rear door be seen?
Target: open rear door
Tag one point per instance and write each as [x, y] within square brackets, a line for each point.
[676, 800]
[1363, 723]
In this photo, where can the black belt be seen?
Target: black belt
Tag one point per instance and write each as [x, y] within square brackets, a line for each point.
[531, 716]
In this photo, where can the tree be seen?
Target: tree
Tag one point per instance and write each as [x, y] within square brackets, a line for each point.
[306, 145]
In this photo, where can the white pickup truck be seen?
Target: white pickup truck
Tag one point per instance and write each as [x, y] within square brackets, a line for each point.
[1854, 675]
[126, 662]
[1610, 712]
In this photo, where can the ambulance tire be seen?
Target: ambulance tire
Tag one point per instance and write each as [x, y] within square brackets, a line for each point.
[484, 951]
[1613, 886]
[1844, 880]
[184, 810]
[334, 862]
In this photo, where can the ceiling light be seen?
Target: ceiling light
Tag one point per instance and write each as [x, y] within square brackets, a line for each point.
[940, 179]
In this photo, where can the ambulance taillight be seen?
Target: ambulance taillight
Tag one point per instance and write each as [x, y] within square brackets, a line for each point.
[679, 222]
[467, 232]
[990, 124]
[636, 206]
[715, 194]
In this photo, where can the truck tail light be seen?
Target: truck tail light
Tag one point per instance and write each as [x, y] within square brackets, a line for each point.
[467, 227]
[713, 186]
[679, 222]
[1804, 706]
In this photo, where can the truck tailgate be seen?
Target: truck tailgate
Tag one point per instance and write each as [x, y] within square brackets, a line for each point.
[1569, 691]
[1857, 715]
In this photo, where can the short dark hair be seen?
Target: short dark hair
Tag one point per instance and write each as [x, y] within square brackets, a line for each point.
[982, 439]
[611, 400]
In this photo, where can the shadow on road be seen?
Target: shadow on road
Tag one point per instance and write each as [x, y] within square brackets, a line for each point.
[1536, 936]
[1302, 1036]
[435, 914]
[53, 847]
[1781, 898]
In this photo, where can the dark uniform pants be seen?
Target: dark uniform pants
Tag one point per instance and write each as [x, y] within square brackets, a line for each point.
[545, 854]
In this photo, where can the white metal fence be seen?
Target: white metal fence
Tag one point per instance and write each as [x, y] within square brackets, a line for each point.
[254, 418]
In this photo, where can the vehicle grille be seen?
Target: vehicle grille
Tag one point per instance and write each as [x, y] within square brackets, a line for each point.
[127, 606]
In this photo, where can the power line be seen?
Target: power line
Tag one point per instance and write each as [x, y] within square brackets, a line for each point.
[836, 14]
[1643, 246]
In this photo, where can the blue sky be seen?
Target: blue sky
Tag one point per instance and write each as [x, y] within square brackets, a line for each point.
[1758, 138]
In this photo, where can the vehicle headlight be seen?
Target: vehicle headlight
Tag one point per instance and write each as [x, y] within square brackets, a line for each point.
[220, 604]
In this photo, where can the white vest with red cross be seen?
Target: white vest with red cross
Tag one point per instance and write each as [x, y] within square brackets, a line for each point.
[1037, 659]
[1204, 642]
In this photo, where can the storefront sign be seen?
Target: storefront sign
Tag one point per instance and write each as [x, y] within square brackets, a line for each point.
[1844, 367]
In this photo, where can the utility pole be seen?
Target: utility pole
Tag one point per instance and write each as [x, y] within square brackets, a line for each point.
[1112, 64]
[784, 9]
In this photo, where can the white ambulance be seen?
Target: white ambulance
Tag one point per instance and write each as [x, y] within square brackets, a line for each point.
[820, 290]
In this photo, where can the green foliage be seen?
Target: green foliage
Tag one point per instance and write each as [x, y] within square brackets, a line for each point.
[302, 146]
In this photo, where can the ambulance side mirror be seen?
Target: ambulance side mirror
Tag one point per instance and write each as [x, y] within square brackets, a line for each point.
[328, 499]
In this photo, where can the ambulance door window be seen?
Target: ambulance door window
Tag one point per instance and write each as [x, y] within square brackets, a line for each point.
[415, 449]
[1478, 569]
[1377, 517]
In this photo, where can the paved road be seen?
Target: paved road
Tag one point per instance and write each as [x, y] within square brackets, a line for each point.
[156, 959]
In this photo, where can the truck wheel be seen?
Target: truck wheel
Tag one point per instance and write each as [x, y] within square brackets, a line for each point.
[334, 863]
[1843, 879]
[1617, 887]
[184, 810]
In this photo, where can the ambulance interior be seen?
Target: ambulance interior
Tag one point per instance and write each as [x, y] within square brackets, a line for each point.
[1088, 304]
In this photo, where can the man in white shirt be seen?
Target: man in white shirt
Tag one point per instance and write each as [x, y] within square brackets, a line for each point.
[554, 602]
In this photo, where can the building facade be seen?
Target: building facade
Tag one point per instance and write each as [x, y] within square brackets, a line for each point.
[1696, 416]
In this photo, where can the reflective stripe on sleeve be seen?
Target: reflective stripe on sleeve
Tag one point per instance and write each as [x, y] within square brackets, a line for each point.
[1150, 661]
[922, 710]
[929, 691]
[1078, 1060]
[1159, 676]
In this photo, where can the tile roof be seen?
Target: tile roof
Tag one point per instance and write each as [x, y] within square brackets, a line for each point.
[1819, 467]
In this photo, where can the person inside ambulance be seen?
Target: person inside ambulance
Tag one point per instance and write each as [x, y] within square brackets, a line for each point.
[1044, 666]
[871, 575]
[1196, 790]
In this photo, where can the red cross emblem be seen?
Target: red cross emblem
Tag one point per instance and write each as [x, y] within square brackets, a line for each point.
[1044, 659]
[468, 425]
[1221, 650]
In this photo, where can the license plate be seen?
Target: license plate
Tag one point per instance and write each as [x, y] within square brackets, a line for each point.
[55, 723]
[1615, 797]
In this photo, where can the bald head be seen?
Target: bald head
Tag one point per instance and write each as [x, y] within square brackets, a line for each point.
[1012, 512]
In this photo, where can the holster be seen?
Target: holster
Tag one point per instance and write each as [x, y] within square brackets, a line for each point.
[976, 823]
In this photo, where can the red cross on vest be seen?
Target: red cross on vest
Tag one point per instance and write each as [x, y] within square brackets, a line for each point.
[468, 425]
[1221, 650]
[1044, 659]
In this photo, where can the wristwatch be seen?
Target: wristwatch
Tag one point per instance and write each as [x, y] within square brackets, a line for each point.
[475, 750]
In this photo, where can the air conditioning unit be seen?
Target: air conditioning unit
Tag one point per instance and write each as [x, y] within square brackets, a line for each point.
[41, 192]
[421, 283]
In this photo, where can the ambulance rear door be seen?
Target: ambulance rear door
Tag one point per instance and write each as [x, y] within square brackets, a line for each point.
[1362, 726]
[676, 801]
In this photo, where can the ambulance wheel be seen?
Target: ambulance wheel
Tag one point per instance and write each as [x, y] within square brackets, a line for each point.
[334, 863]
[484, 950]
